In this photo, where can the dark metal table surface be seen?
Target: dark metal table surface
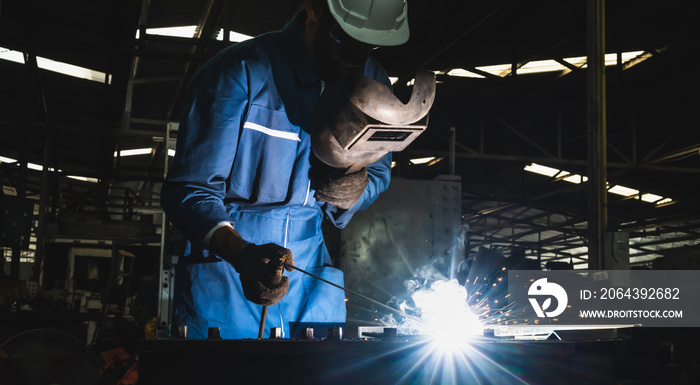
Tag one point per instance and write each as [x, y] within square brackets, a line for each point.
[359, 361]
[626, 356]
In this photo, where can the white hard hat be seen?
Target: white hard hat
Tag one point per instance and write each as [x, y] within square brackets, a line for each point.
[375, 22]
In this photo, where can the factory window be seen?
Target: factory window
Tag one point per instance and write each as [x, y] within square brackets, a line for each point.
[628, 59]
[188, 31]
[56, 66]
[628, 192]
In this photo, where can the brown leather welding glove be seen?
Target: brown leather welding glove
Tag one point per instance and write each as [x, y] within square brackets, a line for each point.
[344, 190]
[260, 268]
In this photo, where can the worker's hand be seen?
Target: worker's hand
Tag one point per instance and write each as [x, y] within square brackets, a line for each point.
[260, 268]
[342, 190]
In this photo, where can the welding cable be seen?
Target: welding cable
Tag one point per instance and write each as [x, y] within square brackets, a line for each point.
[356, 294]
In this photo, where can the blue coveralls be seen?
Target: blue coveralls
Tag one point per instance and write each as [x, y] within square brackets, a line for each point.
[242, 156]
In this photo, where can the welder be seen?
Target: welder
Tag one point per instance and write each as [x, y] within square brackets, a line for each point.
[241, 187]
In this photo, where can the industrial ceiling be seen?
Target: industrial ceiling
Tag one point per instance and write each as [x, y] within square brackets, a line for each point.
[486, 127]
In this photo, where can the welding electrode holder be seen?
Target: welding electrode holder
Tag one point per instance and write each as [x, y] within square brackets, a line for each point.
[263, 319]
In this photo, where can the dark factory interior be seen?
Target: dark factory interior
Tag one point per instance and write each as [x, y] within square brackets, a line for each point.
[560, 140]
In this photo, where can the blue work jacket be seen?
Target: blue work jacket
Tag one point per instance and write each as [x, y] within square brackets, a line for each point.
[243, 157]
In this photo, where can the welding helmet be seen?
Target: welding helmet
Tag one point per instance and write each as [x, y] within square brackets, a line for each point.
[374, 22]
[358, 120]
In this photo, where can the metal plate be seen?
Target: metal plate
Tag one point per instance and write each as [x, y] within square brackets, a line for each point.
[411, 225]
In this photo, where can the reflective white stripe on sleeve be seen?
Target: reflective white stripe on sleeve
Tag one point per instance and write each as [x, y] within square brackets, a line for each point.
[308, 190]
[271, 132]
[207, 238]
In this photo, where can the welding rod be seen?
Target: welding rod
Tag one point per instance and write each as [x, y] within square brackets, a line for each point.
[355, 293]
